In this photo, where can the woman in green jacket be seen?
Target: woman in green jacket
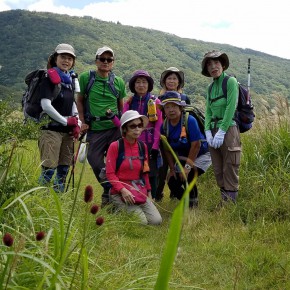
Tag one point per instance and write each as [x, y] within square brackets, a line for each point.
[221, 130]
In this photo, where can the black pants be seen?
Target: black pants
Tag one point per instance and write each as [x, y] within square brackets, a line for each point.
[177, 186]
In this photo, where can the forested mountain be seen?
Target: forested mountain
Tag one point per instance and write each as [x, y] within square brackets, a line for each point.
[27, 38]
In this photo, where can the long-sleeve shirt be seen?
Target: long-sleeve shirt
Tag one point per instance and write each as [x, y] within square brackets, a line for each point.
[151, 135]
[130, 169]
[223, 109]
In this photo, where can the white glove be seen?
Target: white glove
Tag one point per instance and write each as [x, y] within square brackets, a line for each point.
[218, 139]
[208, 136]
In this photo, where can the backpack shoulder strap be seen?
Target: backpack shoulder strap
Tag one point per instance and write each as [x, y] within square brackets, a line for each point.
[185, 122]
[92, 77]
[224, 85]
[112, 85]
[121, 153]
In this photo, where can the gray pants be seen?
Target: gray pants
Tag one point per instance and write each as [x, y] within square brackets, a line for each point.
[99, 142]
[226, 160]
[147, 211]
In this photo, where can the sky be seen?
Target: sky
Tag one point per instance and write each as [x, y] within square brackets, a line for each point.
[249, 24]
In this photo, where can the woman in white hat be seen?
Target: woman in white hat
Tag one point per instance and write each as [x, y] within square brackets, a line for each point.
[221, 130]
[131, 189]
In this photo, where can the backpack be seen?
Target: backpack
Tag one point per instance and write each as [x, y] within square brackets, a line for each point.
[244, 115]
[31, 97]
[188, 110]
[92, 76]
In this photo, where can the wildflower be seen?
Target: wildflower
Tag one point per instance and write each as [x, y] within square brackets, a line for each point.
[100, 221]
[8, 240]
[94, 209]
[88, 196]
[40, 236]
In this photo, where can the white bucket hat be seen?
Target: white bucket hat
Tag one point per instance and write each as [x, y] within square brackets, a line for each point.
[132, 115]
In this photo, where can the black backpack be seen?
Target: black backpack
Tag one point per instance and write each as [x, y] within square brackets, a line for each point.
[244, 115]
[31, 97]
[87, 114]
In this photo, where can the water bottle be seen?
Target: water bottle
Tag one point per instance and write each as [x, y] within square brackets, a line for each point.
[77, 85]
[152, 113]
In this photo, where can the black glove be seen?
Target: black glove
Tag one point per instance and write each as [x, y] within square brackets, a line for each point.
[154, 154]
[110, 115]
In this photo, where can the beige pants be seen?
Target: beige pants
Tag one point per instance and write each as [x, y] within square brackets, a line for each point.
[147, 212]
[226, 160]
[56, 148]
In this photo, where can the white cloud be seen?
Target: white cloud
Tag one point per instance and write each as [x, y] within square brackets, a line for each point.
[247, 24]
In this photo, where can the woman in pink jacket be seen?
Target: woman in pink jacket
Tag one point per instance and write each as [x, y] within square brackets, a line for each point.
[131, 189]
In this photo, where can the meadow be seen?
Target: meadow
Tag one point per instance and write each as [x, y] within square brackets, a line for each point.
[55, 242]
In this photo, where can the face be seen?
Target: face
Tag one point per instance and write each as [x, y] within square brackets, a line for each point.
[64, 61]
[172, 111]
[172, 82]
[134, 129]
[214, 67]
[105, 62]
[141, 86]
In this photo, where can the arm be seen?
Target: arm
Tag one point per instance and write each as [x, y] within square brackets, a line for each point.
[80, 108]
[52, 112]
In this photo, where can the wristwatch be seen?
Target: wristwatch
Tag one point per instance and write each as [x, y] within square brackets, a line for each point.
[187, 167]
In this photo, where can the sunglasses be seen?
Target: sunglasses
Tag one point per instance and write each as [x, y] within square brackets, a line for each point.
[134, 126]
[103, 59]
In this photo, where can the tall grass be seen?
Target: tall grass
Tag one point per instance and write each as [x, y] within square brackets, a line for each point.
[242, 246]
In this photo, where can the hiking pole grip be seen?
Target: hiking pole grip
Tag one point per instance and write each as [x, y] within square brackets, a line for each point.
[249, 80]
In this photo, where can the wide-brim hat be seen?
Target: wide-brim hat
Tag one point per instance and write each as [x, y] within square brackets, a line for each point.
[212, 55]
[65, 48]
[172, 97]
[103, 49]
[131, 115]
[175, 70]
[138, 74]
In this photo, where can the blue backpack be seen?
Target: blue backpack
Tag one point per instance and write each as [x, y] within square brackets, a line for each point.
[244, 115]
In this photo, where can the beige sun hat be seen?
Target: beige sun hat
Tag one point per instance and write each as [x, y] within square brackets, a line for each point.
[65, 48]
[169, 70]
[212, 55]
[131, 115]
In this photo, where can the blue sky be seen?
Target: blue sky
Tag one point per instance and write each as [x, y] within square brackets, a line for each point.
[246, 24]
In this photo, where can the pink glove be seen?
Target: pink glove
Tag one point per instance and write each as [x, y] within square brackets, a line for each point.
[76, 132]
[72, 121]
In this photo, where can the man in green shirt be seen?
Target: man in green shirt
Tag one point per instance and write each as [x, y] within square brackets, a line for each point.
[101, 131]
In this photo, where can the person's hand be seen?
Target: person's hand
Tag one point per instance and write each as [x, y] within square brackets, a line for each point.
[209, 137]
[127, 196]
[154, 154]
[84, 128]
[109, 114]
[72, 121]
[218, 139]
[76, 132]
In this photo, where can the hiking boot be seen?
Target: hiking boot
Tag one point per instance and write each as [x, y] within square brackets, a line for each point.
[193, 203]
[159, 196]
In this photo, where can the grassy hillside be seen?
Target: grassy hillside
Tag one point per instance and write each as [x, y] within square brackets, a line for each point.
[242, 246]
[27, 38]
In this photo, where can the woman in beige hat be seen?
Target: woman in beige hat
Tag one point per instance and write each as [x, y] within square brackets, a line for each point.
[221, 130]
[172, 79]
[131, 189]
[63, 125]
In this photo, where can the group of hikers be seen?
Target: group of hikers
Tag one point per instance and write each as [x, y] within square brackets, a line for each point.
[123, 133]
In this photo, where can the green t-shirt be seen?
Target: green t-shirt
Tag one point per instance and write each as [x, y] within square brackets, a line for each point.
[101, 98]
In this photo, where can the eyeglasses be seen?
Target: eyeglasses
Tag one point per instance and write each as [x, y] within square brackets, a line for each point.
[103, 59]
[134, 126]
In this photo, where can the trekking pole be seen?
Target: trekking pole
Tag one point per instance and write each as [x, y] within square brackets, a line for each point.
[75, 157]
[249, 81]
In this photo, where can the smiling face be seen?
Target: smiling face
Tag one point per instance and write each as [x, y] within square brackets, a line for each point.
[64, 61]
[172, 82]
[105, 62]
[141, 86]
